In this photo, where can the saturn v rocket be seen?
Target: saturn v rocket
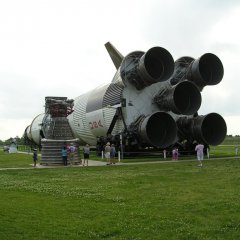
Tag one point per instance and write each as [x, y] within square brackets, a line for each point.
[152, 102]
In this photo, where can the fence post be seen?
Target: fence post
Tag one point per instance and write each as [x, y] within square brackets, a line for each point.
[102, 154]
[164, 154]
[121, 144]
[208, 153]
[236, 150]
[119, 156]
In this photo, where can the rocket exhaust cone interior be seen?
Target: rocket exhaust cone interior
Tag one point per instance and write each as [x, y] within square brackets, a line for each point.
[212, 128]
[207, 70]
[183, 98]
[144, 69]
[158, 129]
[187, 98]
[156, 65]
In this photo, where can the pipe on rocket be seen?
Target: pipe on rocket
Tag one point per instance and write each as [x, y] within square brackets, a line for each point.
[183, 98]
[158, 129]
[144, 69]
[210, 129]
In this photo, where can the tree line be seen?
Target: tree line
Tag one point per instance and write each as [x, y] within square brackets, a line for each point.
[19, 141]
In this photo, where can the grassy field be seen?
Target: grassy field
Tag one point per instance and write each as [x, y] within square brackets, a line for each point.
[175, 200]
[15, 160]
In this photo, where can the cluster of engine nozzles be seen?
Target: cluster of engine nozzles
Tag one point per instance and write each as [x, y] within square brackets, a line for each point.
[178, 99]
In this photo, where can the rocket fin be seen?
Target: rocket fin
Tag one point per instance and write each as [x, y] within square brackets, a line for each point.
[115, 55]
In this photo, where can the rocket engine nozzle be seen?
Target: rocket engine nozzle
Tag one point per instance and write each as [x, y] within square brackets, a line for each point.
[143, 69]
[206, 70]
[158, 129]
[156, 65]
[183, 98]
[210, 128]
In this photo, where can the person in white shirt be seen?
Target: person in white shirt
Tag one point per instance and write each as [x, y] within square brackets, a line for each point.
[72, 150]
[86, 153]
[199, 149]
[107, 153]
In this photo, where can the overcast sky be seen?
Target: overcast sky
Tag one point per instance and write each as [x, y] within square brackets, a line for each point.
[56, 48]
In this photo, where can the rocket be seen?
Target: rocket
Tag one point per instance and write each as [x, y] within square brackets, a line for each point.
[151, 102]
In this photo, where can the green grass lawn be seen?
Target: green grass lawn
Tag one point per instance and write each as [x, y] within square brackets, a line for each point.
[150, 201]
[15, 160]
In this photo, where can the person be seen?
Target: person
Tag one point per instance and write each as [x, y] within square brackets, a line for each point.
[175, 154]
[107, 153]
[112, 154]
[64, 155]
[68, 151]
[35, 157]
[72, 150]
[86, 153]
[199, 149]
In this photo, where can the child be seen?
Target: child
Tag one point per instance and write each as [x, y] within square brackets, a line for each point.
[175, 154]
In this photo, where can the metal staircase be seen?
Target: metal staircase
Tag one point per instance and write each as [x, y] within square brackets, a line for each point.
[57, 131]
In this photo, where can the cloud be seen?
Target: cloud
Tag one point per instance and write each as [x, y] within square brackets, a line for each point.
[56, 48]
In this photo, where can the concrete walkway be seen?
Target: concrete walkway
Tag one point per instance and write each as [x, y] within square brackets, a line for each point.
[90, 164]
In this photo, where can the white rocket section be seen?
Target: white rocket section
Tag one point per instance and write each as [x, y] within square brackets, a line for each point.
[33, 130]
[88, 126]
[108, 114]
[78, 120]
[140, 102]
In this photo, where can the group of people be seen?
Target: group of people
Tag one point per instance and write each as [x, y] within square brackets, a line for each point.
[110, 153]
[68, 153]
[199, 150]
